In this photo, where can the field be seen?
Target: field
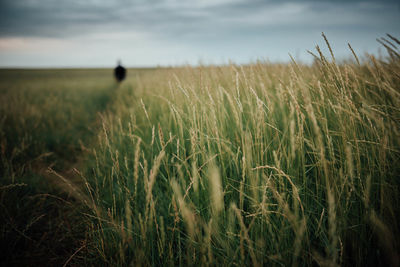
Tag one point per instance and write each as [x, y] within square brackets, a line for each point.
[259, 164]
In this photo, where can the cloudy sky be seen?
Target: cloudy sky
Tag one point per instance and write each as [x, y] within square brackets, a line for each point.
[95, 33]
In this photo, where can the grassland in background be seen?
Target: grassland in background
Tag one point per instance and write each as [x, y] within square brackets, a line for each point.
[260, 164]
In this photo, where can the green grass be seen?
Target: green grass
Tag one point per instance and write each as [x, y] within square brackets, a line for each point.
[260, 164]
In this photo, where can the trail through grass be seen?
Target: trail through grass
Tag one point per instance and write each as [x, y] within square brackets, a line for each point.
[48, 118]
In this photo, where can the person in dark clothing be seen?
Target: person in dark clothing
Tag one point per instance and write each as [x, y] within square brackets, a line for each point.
[119, 72]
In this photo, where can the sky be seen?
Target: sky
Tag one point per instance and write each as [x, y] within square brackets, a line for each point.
[145, 33]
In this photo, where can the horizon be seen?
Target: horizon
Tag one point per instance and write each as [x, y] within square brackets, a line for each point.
[168, 33]
[309, 63]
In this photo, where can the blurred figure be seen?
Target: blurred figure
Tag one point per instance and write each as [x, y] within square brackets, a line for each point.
[119, 72]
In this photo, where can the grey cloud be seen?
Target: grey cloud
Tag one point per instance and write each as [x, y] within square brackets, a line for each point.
[50, 18]
[67, 18]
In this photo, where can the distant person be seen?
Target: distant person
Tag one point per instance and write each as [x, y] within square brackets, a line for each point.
[119, 72]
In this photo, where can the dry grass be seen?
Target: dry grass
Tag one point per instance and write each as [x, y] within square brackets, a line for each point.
[258, 164]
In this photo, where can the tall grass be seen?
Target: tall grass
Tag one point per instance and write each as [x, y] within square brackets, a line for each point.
[260, 164]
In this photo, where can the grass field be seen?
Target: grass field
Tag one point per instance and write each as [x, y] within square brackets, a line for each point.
[260, 164]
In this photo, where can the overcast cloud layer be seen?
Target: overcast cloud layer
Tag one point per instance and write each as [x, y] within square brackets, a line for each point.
[95, 33]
